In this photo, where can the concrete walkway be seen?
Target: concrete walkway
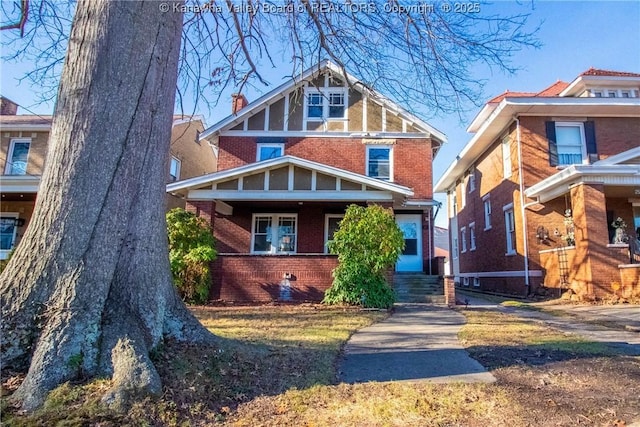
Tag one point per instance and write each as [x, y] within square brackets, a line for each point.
[418, 343]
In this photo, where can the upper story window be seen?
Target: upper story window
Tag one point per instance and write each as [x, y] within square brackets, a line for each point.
[472, 236]
[463, 240]
[486, 201]
[570, 142]
[463, 193]
[269, 151]
[274, 233]
[379, 163]
[325, 103]
[472, 180]
[613, 93]
[174, 169]
[17, 157]
[506, 157]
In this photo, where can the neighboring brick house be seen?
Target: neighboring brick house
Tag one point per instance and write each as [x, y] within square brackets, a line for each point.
[23, 151]
[289, 165]
[573, 146]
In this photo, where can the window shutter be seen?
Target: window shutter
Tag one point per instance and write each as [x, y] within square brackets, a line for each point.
[590, 139]
[553, 147]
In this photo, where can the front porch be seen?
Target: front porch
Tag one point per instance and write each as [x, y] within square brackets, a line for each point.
[597, 239]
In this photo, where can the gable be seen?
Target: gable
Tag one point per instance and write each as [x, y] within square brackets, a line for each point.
[323, 100]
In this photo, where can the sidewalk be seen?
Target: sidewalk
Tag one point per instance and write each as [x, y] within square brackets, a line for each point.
[419, 342]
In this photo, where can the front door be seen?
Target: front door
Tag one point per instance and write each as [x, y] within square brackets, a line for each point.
[411, 258]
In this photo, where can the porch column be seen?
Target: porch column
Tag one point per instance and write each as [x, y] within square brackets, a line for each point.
[589, 274]
[203, 209]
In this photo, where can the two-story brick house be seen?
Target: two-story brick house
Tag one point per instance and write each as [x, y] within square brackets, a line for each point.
[289, 165]
[24, 140]
[533, 196]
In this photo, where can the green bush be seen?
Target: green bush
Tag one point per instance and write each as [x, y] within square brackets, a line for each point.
[191, 248]
[368, 242]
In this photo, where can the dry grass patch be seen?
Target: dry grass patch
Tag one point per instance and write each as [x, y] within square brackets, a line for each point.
[559, 378]
[381, 404]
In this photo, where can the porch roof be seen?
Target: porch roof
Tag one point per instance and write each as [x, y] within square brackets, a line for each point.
[288, 178]
[617, 170]
[19, 183]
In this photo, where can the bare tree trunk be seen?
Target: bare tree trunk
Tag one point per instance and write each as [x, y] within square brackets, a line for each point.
[88, 291]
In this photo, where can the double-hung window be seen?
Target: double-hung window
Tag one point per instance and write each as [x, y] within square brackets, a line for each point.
[463, 240]
[325, 104]
[486, 202]
[379, 162]
[274, 233]
[17, 157]
[510, 229]
[472, 236]
[570, 143]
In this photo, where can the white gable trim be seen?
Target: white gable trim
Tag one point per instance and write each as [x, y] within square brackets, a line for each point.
[252, 168]
[284, 89]
[620, 157]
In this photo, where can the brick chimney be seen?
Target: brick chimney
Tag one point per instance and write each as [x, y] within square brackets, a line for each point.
[238, 102]
[8, 107]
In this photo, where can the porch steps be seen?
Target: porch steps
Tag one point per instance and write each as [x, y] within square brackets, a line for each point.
[417, 287]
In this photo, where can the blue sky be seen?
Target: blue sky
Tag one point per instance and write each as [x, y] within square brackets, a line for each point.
[575, 36]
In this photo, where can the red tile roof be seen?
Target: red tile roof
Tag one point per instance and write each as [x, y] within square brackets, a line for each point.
[554, 89]
[608, 73]
[508, 94]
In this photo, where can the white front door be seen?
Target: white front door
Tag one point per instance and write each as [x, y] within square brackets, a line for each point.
[411, 258]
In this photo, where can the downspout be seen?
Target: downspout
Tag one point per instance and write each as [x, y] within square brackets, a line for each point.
[430, 243]
[525, 238]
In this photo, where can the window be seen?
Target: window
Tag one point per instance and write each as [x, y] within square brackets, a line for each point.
[331, 225]
[510, 229]
[314, 105]
[465, 281]
[454, 245]
[325, 104]
[472, 236]
[570, 142]
[269, 151]
[18, 156]
[597, 94]
[379, 162]
[472, 180]
[506, 157]
[454, 202]
[274, 233]
[463, 193]
[336, 105]
[476, 282]
[174, 169]
[8, 231]
[486, 201]
[463, 240]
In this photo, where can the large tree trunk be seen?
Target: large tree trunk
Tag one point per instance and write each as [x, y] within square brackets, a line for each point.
[88, 291]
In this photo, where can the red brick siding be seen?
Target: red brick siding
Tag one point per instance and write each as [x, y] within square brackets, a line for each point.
[245, 278]
[412, 158]
[630, 281]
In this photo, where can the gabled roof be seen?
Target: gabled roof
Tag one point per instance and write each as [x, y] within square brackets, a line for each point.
[553, 90]
[608, 73]
[307, 74]
[209, 181]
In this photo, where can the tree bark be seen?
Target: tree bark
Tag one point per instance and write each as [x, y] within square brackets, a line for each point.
[88, 291]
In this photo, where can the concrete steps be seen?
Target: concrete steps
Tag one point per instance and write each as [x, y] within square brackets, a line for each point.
[417, 287]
